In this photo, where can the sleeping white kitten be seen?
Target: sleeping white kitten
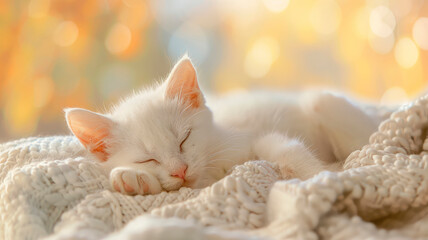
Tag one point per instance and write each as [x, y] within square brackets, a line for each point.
[167, 136]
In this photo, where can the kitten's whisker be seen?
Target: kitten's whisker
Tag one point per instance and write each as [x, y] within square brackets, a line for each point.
[230, 138]
[223, 151]
[221, 146]
[194, 115]
[212, 168]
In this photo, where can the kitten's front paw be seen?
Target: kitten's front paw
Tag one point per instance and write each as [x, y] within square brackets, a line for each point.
[132, 182]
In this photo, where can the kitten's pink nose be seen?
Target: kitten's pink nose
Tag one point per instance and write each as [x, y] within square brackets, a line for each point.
[180, 172]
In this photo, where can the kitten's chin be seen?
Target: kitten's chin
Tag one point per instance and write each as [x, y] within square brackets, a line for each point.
[172, 186]
[195, 181]
[190, 183]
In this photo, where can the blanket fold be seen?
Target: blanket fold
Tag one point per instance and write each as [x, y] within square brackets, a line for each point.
[49, 189]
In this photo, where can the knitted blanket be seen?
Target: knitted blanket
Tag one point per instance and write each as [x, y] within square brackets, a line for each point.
[49, 190]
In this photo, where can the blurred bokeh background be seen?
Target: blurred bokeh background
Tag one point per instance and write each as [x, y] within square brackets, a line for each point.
[70, 53]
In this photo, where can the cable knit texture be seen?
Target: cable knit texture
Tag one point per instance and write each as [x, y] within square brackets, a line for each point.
[50, 190]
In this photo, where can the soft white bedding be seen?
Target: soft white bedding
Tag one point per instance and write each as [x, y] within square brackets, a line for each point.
[48, 190]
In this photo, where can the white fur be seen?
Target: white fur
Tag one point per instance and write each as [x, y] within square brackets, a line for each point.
[304, 133]
[149, 126]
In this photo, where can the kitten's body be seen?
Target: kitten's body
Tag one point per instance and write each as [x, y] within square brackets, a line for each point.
[320, 128]
[167, 137]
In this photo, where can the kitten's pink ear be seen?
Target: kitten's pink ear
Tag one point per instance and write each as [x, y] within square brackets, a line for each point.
[182, 83]
[92, 130]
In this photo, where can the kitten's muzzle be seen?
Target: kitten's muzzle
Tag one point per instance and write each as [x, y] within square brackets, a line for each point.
[180, 172]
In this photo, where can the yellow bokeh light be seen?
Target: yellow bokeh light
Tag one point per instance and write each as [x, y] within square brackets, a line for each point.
[406, 53]
[420, 32]
[43, 91]
[394, 96]
[118, 39]
[382, 45]
[20, 114]
[38, 8]
[261, 56]
[276, 6]
[361, 24]
[135, 15]
[401, 7]
[363, 47]
[382, 21]
[241, 13]
[65, 33]
[325, 17]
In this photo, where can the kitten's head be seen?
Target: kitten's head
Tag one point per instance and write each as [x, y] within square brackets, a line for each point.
[164, 130]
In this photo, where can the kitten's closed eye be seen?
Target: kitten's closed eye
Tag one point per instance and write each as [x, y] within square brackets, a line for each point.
[147, 161]
[181, 144]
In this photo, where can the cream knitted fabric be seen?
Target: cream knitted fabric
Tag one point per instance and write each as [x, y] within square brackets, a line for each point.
[49, 189]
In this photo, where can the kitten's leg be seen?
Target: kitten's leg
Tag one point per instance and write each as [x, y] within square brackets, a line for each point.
[131, 182]
[293, 158]
[346, 126]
